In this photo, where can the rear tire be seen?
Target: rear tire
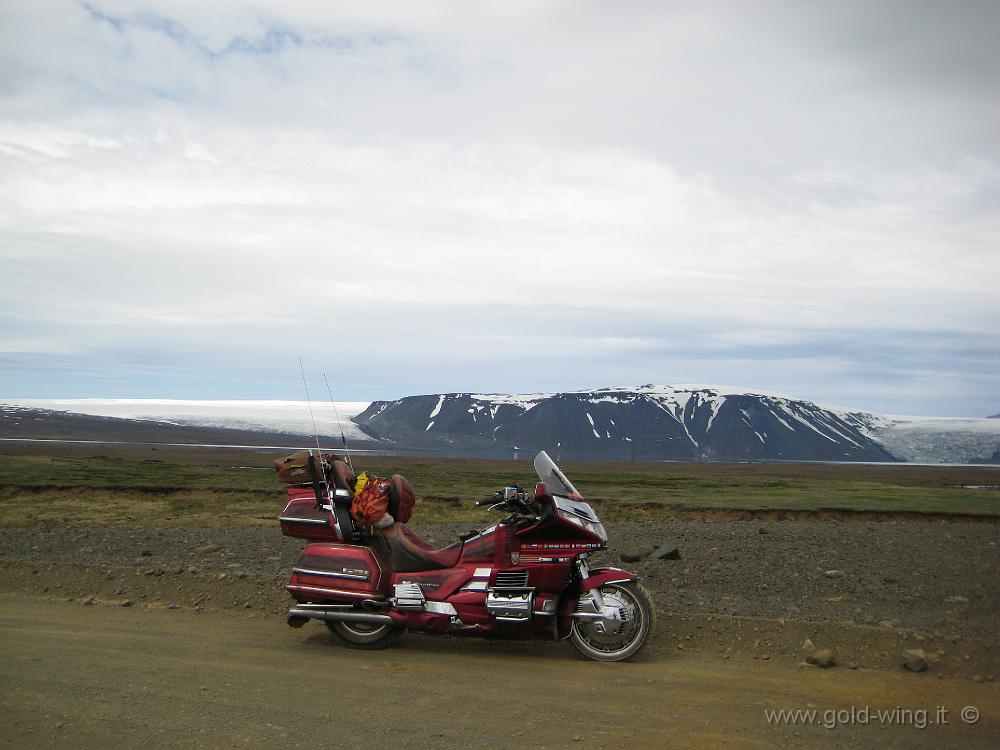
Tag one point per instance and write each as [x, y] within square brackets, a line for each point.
[364, 635]
[639, 623]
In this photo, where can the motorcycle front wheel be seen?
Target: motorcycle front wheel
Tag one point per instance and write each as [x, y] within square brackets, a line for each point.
[638, 619]
[365, 635]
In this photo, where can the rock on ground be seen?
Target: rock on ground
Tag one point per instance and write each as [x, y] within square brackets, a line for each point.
[915, 660]
[822, 657]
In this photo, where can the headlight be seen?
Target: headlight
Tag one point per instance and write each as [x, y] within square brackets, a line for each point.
[570, 517]
[597, 529]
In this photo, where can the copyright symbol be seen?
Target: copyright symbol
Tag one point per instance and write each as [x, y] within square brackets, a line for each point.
[970, 714]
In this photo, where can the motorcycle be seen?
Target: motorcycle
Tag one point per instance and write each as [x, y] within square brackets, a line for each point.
[524, 577]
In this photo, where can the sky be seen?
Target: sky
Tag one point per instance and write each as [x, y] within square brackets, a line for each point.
[501, 197]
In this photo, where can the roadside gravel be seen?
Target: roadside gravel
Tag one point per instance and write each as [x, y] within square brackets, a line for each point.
[939, 577]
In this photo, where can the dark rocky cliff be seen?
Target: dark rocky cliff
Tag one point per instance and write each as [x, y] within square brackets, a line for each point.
[641, 422]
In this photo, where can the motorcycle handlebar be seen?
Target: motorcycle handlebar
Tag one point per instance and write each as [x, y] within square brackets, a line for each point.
[511, 503]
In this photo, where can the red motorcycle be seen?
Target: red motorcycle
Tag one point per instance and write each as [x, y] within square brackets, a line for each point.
[525, 577]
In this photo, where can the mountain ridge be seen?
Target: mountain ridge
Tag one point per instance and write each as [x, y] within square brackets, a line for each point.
[915, 439]
[648, 421]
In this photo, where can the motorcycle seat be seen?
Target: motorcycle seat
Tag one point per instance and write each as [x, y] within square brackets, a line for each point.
[410, 553]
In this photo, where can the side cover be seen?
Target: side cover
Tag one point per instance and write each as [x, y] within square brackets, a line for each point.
[337, 572]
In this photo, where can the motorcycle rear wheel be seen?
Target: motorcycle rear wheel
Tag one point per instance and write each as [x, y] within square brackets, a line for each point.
[364, 635]
[636, 606]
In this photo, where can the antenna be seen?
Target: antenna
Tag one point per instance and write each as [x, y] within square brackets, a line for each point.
[319, 453]
[339, 423]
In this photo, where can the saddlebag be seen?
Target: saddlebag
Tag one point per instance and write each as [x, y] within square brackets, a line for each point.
[295, 469]
[337, 571]
[329, 522]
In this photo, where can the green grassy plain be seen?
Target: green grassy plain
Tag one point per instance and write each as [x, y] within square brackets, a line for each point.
[69, 487]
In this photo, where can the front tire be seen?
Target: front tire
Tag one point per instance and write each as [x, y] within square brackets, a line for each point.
[365, 635]
[638, 623]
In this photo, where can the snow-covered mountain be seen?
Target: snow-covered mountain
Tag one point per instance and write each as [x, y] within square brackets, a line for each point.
[650, 421]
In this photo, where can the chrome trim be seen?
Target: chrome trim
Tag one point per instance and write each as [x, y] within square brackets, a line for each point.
[337, 615]
[511, 579]
[371, 552]
[408, 596]
[604, 617]
[334, 592]
[293, 519]
[475, 586]
[548, 607]
[482, 573]
[509, 606]
[441, 608]
[324, 607]
[330, 574]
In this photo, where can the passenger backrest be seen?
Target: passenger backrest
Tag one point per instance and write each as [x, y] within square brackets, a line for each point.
[401, 498]
[342, 476]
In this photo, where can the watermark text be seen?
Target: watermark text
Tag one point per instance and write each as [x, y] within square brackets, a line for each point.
[853, 716]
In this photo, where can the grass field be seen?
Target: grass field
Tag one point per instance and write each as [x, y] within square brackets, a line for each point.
[38, 487]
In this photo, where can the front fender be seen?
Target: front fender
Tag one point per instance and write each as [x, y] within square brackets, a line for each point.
[600, 576]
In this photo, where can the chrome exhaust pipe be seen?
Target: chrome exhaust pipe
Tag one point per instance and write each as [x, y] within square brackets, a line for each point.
[340, 615]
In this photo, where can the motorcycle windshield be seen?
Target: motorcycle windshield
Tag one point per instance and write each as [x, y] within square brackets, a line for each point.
[553, 477]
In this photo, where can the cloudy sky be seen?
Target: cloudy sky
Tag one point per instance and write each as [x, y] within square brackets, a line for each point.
[519, 196]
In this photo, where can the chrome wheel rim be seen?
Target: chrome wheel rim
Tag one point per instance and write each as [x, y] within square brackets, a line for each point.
[612, 642]
[363, 628]
[362, 632]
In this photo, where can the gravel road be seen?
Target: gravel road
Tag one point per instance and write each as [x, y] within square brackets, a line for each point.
[108, 677]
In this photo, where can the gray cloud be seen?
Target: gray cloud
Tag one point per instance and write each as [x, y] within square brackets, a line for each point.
[783, 195]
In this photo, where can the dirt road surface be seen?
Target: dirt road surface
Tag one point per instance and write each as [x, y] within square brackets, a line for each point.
[106, 677]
